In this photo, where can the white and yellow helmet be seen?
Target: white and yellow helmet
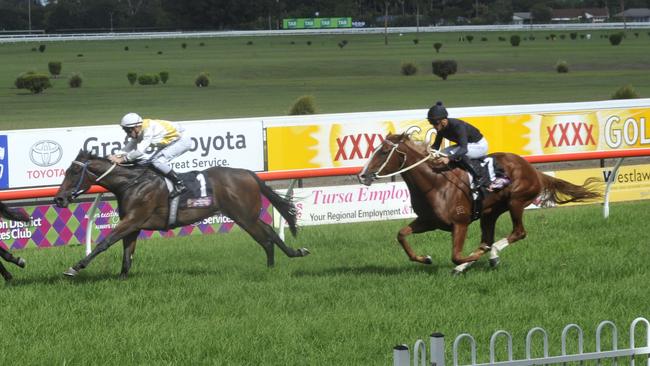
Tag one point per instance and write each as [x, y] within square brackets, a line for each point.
[131, 120]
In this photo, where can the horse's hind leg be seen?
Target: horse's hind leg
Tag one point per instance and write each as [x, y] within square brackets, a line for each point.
[5, 274]
[266, 237]
[129, 242]
[415, 227]
[4, 254]
[516, 209]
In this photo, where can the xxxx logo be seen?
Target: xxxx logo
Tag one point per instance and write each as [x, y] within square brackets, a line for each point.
[359, 146]
[570, 134]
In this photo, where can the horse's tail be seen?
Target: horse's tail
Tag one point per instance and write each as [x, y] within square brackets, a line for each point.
[559, 191]
[284, 205]
[10, 214]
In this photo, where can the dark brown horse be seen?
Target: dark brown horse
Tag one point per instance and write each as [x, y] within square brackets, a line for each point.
[14, 215]
[440, 196]
[143, 203]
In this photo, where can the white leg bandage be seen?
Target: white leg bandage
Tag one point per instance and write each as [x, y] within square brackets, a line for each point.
[497, 247]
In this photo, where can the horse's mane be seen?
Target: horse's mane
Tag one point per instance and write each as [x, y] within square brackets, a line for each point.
[90, 156]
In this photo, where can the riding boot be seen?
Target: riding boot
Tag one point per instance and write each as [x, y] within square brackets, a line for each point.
[179, 186]
[477, 179]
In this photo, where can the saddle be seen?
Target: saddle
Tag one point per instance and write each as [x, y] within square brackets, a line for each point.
[491, 177]
[198, 194]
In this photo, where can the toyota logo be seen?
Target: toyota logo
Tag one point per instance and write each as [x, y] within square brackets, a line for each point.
[45, 153]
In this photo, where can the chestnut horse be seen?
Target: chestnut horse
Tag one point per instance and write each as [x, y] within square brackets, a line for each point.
[14, 215]
[441, 197]
[143, 203]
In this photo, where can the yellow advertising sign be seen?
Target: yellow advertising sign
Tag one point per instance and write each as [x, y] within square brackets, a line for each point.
[631, 182]
[348, 143]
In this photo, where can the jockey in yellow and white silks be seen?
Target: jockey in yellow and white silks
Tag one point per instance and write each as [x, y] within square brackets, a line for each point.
[166, 139]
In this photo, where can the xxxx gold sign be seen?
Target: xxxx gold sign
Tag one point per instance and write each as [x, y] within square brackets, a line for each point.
[349, 140]
[562, 133]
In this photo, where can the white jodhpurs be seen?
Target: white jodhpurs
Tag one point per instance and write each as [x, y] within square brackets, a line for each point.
[163, 156]
[475, 150]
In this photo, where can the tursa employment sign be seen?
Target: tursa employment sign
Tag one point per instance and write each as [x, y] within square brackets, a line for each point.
[347, 140]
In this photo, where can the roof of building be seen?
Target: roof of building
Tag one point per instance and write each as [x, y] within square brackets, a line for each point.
[635, 12]
[579, 13]
[522, 15]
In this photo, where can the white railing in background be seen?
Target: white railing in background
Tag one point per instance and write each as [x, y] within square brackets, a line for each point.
[402, 355]
[11, 38]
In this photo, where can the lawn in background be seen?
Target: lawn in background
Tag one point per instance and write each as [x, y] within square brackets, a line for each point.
[263, 76]
[211, 300]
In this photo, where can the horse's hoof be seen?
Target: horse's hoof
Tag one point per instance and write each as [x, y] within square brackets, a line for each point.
[494, 262]
[71, 272]
[427, 260]
[304, 252]
[21, 263]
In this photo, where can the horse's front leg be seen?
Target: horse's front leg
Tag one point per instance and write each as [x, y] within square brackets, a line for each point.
[124, 228]
[415, 227]
[459, 234]
[129, 242]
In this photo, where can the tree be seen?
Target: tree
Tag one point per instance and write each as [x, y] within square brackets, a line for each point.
[541, 13]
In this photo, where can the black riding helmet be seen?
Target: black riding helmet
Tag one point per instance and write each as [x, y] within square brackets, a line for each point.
[436, 113]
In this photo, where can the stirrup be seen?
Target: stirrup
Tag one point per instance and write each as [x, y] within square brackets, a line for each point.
[177, 192]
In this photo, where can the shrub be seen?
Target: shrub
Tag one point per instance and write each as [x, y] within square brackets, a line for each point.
[249, 43]
[409, 68]
[562, 67]
[343, 43]
[160, 52]
[202, 80]
[484, 39]
[416, 41]
[184, 45]
[553, 36]
[75, 80]
[308, 43]
[33, 49]
[437, 46]
[625, 92]
[132, 76]
[636, 34]
[444, 68]
[615, 39]
[126, 48]
[562, 36]
[202, 44]
[515, 40]
[469, 38]
[531, 38]
[502, 39]
[55, 68]
[148, 79]
[164, 76]
[303, 105]
[80, 55]
[33, 81]
[41, 48]
[573, 35]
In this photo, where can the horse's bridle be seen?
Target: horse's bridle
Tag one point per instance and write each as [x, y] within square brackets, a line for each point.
[84, 169]
[432, 155]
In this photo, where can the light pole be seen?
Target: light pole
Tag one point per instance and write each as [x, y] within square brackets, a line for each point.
[29, 15]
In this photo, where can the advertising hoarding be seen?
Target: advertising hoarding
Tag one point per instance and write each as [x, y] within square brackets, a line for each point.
[32, 158]
[347, 140]
[307, 23]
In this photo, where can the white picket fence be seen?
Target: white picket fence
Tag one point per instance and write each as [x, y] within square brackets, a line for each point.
[402, 354]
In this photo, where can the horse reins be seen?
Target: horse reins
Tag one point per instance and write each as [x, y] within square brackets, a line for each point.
[432, 154]
[84, 170]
